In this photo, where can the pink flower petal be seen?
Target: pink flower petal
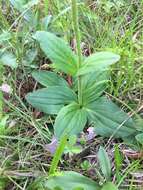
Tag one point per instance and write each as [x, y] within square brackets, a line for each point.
[5, 88]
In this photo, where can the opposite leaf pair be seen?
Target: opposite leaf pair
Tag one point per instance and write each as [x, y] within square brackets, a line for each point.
[60, 98]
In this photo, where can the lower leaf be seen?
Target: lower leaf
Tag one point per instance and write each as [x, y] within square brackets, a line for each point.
[109, 119]
[50, 100]
[71, 180]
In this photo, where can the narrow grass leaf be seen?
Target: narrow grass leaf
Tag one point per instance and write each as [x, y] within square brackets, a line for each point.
[104, 162]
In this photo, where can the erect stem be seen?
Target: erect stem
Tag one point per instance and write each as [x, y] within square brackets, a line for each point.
[1, 105]
[58, 155]
[78, 42]
[1, 94]
[46, 7]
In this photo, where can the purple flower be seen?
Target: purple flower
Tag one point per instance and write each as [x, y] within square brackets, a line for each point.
[51, 147]
[5, 88]
[91, 134]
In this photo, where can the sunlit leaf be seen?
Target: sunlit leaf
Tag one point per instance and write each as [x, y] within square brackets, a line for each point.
[98, 62]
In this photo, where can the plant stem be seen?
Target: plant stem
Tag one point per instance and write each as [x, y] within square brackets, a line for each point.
[46, 5]
[78, 42]
[58, 155]
[1, 105]
[1, 94]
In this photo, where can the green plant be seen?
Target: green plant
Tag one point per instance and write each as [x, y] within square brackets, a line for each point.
[76, 181]
[77, 103]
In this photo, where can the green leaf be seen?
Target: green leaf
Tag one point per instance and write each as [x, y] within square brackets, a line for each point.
[118, 159]
[109, 119]
[57, 51]
[24, 6]
[71, 180]
[70, 120]
[104, 162]
[21, 5]
[109, 186]
[93, 85]
[8, 59]
[47, 78]
[139, 138]
[5, 36]
[98, 62]
[29, 57]
[50, 100]
[3, 129]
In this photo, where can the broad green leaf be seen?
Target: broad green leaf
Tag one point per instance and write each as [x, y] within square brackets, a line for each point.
[93, 85]
[70, 120]
[98, 62]
[104, 162]
[8, 59]
[57, 51]
[5, 36]
[47, 78]
[70, 181]
[50, 100]
[109, 119]
[109, 186]
[139, 138]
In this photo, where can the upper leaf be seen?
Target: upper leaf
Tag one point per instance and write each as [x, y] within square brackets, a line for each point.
[57, 51]
[70, 120]
[97, 62]
[109, 119]
[71, 180]
[50, 100]
[104, 163]
[47, 78]
[93, 85]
